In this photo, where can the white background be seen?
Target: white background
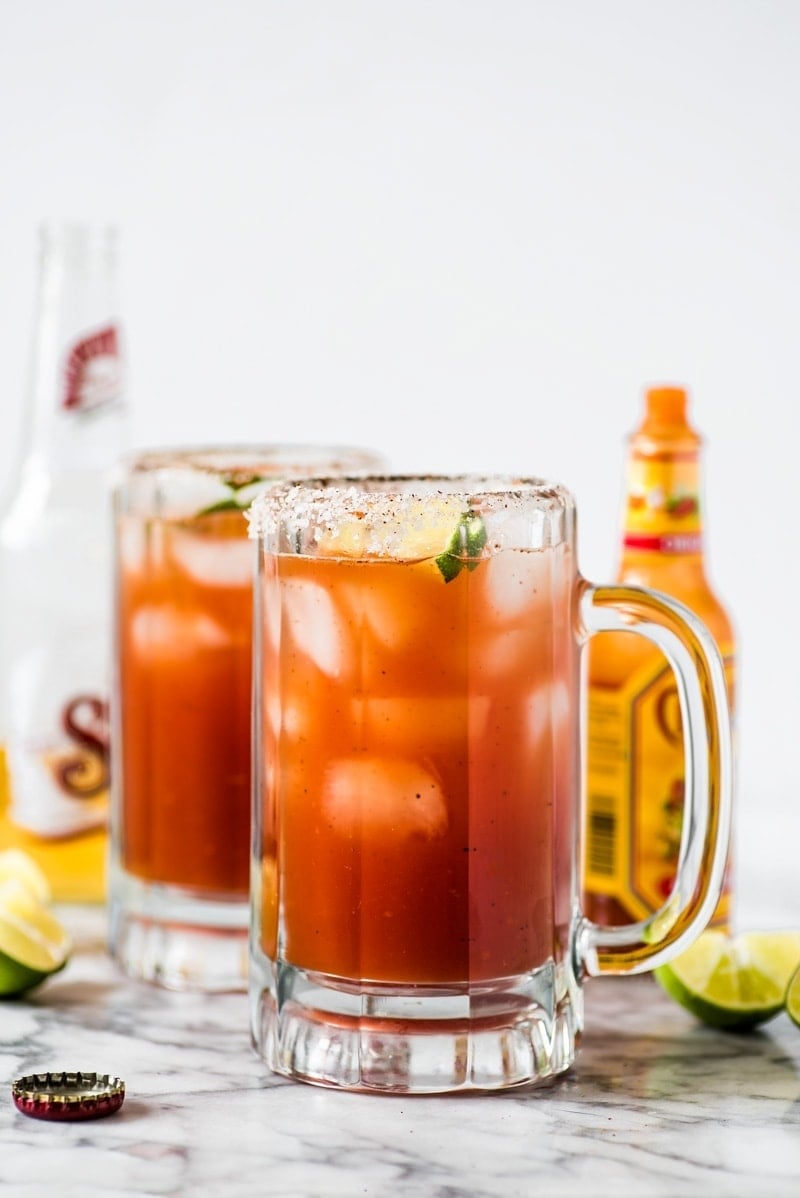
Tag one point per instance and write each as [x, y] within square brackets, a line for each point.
[468, 233]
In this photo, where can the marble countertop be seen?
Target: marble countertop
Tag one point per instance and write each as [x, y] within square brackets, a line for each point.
[656, 1105]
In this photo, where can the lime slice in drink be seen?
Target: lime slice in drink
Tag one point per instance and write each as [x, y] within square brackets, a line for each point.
[793, 997]
[408, 527]
[733, 982]
[242, 490]
[19, 866]
[33, 944]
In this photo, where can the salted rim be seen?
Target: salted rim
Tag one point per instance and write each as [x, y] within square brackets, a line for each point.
[381, 502]
[239, 462]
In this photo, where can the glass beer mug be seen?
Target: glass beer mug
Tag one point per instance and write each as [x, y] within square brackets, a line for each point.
[415, 917]
[180, 822]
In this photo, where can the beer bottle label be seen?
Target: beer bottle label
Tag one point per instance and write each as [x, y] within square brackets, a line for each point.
[57, 758]
[92, 372]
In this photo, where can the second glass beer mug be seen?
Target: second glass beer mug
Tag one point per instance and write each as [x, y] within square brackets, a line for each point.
[415, 898]
[182, 706]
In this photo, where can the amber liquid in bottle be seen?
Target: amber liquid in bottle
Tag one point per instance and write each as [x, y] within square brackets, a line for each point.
[635, 767]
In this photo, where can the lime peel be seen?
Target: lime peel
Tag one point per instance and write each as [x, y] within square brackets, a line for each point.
[16, 978]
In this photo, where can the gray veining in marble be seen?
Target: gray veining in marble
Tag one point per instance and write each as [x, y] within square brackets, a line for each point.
[657, 1105]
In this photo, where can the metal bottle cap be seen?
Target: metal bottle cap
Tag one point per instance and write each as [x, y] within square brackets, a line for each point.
[63, 1097]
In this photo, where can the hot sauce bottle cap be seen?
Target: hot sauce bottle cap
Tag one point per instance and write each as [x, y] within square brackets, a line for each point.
[666, 419]
[67, 1097]
[666, 405]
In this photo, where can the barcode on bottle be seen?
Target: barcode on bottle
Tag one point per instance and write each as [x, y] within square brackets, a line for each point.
[601, 840]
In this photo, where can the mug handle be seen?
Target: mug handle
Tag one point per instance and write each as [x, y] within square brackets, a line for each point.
[700, 679]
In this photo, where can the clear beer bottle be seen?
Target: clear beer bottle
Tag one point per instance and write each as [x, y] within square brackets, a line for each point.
[55, 543]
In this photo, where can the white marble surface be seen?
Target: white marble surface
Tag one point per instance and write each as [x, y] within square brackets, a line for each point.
[656, 1105]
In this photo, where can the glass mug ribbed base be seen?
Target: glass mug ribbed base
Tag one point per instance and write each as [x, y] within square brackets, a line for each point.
[415, 918]
[180, 859]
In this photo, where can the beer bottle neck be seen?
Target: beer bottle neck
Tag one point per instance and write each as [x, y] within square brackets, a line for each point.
[75, 411]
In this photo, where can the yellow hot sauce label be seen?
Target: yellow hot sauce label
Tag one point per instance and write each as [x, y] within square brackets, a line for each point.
[635, 788]
[663, 503]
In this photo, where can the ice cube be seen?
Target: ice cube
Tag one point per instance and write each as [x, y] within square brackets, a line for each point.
[516, 583]
[170, 631]
[317, 626]
[537, 713]
[174, 492]
[500, 654]
[287, 718]
[384, 796]
[389, 620]
[561, 702]
[270, 602]
[512, 528]
[131, 543]
[213, 561]
[549, 711]
[272, 711]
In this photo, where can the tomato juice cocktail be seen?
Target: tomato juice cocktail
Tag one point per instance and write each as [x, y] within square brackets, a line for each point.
[419, 763]
[425, 760]
[415, 918]
[182, 706]
[185, 614]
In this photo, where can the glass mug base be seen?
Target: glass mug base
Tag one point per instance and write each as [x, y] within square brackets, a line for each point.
[172, 937]
[416, 1039]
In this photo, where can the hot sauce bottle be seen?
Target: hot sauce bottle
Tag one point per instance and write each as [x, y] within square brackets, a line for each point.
[635, 757]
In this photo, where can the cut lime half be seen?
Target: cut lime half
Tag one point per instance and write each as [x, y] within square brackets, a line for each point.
[733, 982]
[33, 944]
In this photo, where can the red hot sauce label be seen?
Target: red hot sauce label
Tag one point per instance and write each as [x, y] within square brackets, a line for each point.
[92, 371]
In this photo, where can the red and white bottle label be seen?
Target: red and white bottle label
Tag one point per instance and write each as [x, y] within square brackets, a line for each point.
[662, 513]
[668, 542]
[58, 773]
[92, 374]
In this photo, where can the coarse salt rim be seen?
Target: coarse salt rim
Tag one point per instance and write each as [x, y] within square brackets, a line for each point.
[181, 482]
[237, 463]
[388, 507]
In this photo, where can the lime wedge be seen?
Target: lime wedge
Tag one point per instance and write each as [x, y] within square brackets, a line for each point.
[242, 495]
[793, 997]
[33, 944]
[407, 528]
[733, 982]
[224, 505]
[467, 542]
[19, 866]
